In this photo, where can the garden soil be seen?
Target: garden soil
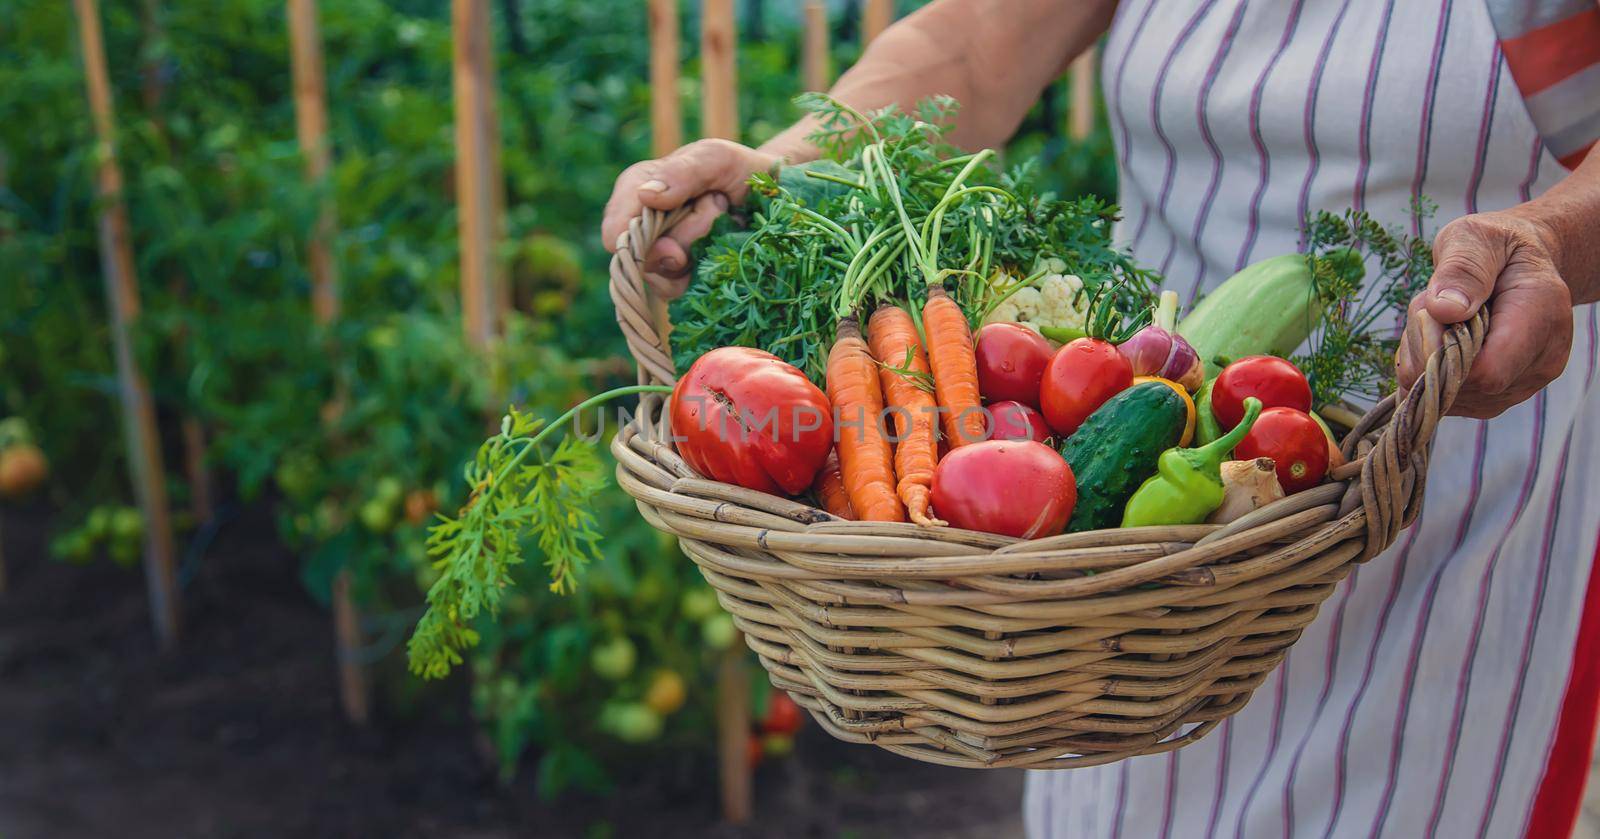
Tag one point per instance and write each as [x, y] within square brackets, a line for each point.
[238, 733]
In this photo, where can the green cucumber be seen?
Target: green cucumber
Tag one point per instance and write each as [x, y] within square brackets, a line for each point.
[1269, 308]
[1116, 449]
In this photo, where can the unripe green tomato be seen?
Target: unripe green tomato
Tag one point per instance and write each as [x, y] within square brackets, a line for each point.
[614, 659]
[389, 489]
[634, 722]
[376, 516]
[74, 547]
[296, 475]
[127, 525]
[98, 525]
[718, 631]
[698, 603]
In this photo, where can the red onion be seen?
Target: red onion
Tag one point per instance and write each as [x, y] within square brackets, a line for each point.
[1157, 350]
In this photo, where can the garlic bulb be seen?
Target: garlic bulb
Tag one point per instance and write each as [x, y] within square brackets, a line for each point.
[1247, 485]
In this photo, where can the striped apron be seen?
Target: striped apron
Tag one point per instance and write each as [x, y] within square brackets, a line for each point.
[1427, 697]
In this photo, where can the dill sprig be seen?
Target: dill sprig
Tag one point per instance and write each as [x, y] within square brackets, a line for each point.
[517, 489]
[1351, 352]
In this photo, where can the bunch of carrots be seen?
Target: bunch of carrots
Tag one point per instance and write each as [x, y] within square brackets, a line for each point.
[891, 374]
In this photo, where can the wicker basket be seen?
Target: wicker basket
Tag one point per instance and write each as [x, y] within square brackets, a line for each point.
[975, 650]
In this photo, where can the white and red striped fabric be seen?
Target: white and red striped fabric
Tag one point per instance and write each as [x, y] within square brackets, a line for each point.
[1427, 697]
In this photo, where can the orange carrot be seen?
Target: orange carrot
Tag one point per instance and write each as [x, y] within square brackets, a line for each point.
[955, 368]
[864, 456]
[903, 369]
[830, 491]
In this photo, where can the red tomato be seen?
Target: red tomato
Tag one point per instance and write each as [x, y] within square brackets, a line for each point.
[1011, 362]
[1016, 421]
[783, 715]
[1081, 376]
[1275, 381]
[743, 416]
[1295, 443]
[1012, 487]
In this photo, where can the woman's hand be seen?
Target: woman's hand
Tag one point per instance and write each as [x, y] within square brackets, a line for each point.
[1504, 259]
[711, 173]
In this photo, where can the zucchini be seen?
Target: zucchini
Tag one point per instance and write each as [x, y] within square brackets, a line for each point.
[1269, 308]
[1117, 447]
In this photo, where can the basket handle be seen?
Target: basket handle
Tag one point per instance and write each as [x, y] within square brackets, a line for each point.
[1394, 471]
[641, 312]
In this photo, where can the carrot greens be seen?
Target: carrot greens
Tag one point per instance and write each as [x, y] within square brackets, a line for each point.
[891, 209]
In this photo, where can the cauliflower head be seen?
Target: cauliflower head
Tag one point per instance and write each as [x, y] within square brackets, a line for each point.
[1055, 302]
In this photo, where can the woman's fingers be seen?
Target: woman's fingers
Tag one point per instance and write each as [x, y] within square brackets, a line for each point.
[1530, 334]
[665, 252]
[707, 209]
[700, 168]
[1467, 255]
[667, 266]
[1526, 348]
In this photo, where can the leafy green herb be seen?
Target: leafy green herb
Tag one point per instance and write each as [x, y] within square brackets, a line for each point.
[1352, 349]
[516, 489]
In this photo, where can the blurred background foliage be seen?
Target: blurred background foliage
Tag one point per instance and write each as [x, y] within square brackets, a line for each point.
[220, 215]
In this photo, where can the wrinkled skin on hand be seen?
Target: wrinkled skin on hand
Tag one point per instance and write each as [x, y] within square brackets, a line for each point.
[1505, 260]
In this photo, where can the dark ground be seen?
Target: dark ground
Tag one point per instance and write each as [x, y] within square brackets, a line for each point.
[239, 734]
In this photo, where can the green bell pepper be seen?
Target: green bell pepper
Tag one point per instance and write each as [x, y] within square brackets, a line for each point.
[1187, 485]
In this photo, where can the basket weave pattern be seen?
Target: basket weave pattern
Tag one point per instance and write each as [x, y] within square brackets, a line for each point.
[976, 650]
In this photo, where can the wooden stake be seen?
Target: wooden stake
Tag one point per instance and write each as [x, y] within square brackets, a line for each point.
[122, 291]
[818, 62]
[153, 90]
[733, 735]
[201, 504]
[719, 48]
[719, 117]
[666, 112]
[353, 694]
[311, 130]
[876, 15]
[477, 139]
[1080, 116]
